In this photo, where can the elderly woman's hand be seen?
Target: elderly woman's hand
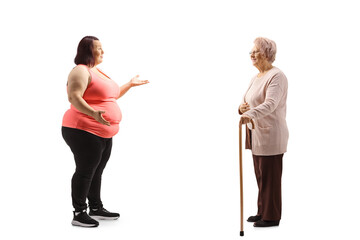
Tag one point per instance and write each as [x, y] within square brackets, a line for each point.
[244, 119]
[244, 108]
[137, 82]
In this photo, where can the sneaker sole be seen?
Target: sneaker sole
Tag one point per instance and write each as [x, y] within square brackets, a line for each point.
[80, 224]
[103, 218]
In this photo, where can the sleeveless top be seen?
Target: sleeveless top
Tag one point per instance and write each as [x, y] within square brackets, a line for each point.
[101, 94]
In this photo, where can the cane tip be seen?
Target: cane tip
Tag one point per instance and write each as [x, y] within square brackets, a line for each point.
[242, 233]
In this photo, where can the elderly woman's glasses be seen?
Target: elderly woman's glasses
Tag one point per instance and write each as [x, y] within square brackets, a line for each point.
[253, 52]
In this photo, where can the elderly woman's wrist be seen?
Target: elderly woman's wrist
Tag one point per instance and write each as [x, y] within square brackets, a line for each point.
[248, 115]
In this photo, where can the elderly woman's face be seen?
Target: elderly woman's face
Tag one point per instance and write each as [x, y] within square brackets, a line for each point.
[97, 52]
[256, 57]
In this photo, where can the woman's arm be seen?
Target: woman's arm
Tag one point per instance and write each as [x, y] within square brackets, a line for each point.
[132, 83]
[79, 79]
[124, 88]
[274, 93]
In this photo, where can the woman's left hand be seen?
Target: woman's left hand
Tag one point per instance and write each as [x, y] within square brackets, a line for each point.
[137, 82]
[245, 119]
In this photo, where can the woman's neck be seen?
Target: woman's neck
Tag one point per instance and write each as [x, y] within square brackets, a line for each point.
[264, 68]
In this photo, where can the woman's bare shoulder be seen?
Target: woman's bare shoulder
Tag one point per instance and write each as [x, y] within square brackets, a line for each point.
[80, 71]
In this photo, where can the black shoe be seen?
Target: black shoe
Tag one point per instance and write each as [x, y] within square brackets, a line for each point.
[262, 223]
[254, 218]
[82, 219]
[103, 214]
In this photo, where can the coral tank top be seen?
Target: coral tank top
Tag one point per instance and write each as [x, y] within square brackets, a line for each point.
[101, 94]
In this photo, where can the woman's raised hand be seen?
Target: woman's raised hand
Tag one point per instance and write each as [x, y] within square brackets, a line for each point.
[135, 81]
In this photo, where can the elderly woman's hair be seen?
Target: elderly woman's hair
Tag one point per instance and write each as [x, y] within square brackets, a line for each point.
[266, 47]
[85, 51]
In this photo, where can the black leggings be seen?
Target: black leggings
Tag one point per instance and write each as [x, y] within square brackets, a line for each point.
[91, 154]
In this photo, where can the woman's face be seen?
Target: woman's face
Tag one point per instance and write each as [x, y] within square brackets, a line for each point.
[256, 57]
[97, 52]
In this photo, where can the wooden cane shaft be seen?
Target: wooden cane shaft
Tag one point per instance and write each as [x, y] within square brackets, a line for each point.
[241, 180]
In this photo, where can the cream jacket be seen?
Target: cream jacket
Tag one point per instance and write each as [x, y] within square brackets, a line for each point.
[267, 99]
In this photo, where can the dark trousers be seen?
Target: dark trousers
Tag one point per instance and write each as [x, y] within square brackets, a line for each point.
[91, 154]
[268, 171]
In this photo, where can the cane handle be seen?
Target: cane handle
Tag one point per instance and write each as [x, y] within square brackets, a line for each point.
[251, 121]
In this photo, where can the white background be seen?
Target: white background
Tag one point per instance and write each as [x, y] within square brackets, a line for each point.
[173, 173]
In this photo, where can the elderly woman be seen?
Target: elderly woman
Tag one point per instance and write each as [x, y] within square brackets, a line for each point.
[265, 103]
[88, 127]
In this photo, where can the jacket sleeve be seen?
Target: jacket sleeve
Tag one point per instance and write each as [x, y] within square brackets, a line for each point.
[275, 90]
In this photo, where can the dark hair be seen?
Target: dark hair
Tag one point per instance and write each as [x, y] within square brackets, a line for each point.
[85, 51]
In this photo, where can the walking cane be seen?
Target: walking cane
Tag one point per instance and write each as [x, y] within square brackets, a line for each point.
[241, 177]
